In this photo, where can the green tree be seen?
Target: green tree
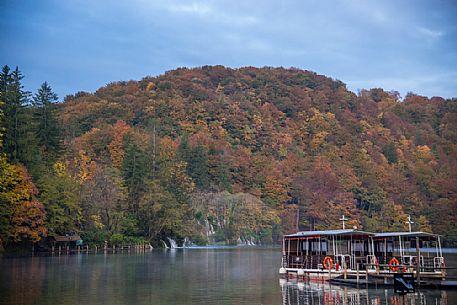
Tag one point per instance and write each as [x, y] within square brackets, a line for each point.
[134, 172]
[45, 117]
[160, 213]
[60, 196]
[15, 99]
[197, 162]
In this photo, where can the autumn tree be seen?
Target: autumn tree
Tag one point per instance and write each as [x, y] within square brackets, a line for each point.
[322, 198]
[22, 216]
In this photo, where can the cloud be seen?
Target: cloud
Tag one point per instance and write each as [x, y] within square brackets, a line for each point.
[191, 8]
[430, 33]
[437, 84]
[392, 44]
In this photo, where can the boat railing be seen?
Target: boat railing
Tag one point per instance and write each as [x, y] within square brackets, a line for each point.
[409, 262]
[345, 261]
[339, 262]
[438, 263]
[372, 262]
[304, 261]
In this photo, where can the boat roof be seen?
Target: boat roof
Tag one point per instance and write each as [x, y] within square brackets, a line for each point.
[329, 233]
[405, 234]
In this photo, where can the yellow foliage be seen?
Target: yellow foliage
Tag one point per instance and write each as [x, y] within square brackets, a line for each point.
[60, 168]
[86, 167]
[423, 153]
[151, 86]
[97, 221]
[319, 139]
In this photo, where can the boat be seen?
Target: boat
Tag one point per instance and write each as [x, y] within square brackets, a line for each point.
[327, 254]
[351, 256]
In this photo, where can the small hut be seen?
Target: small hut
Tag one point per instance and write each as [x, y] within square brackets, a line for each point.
[67, 240]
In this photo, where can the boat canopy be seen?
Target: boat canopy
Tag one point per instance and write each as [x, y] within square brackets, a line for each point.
[420, 234]
[347, 232]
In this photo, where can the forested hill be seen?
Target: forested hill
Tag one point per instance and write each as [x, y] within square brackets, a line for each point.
[239, 155]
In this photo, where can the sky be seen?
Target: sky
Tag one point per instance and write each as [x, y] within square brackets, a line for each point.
[76, 45]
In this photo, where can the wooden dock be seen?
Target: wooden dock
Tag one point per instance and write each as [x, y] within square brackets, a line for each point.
[373, 281]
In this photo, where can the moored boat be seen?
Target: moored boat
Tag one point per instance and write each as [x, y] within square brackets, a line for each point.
[351, 256]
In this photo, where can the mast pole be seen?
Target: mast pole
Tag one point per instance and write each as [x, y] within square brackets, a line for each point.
[418, 263]
[409, 222]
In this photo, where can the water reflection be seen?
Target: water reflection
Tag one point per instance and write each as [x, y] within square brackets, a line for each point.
[311, 293]
[181, 276]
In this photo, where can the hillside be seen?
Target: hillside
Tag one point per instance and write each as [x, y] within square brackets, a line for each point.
[244, 155]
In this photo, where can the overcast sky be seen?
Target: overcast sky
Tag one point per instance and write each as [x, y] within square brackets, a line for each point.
[83, 45]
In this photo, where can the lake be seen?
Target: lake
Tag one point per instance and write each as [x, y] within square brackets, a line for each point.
[238, 275]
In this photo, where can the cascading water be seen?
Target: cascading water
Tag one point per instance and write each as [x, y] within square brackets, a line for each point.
[187, 243]
[209, 231]
[173, 244]
[164, 244]
[246, 241]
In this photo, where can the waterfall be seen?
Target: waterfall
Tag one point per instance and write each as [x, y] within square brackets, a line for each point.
[249, 241]
[173, 244]
[187, 243]
[253, 241]
[209, 231]
[164, 244]
[240, 242]
[246, 241]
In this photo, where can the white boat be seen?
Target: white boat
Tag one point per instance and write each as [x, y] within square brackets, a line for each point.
[353, 256]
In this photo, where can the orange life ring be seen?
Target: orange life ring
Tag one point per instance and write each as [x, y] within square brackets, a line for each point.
[328, 262]
[393, 264]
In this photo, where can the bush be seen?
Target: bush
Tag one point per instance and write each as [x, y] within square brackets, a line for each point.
[199, 240]
[94, 237]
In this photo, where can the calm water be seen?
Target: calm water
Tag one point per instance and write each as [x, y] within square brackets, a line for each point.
[183, 276]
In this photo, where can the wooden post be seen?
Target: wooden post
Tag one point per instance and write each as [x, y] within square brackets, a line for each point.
[418, 262]
[357, 273]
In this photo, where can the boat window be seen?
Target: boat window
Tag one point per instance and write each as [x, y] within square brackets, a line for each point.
[390, 247]
[407, 245]
[314, 246]
[358, 246]
[324, 246]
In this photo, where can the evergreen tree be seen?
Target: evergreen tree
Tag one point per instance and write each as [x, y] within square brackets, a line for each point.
[5, 83]
[15, 98]
[46, 125]
[197, 162]
[197, 166]
[134, 172]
